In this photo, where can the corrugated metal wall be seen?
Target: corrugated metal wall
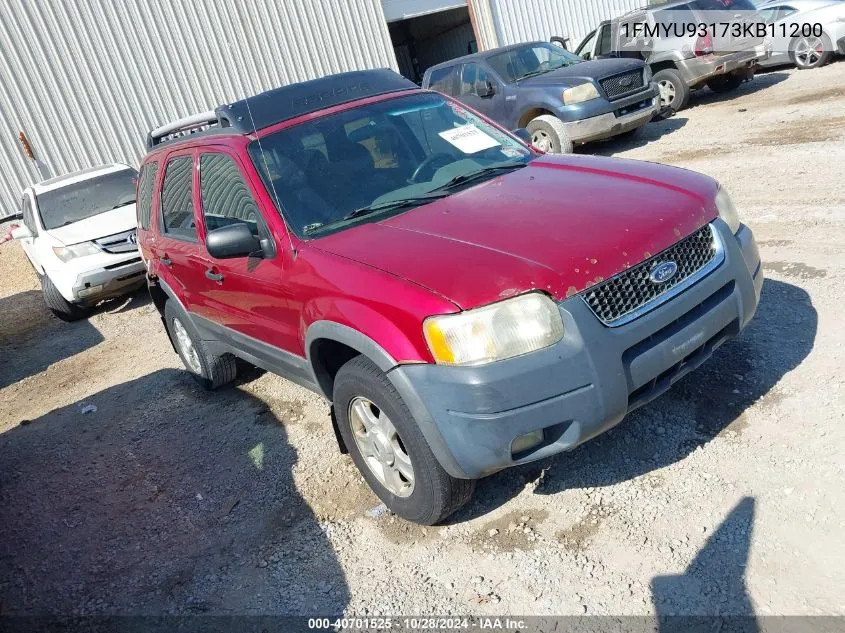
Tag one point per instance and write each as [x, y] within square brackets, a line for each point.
[485, 26]
[86, 79]
[445, 46]
[527, 20]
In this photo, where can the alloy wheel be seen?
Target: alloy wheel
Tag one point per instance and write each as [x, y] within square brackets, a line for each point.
[186, 347]
[667, 92]
[542, 141]
[808, 51]
[381, 447]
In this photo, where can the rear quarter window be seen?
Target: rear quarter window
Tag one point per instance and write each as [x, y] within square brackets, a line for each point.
[444, 80]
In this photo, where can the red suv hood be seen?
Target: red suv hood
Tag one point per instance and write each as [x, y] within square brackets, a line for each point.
[560, 225]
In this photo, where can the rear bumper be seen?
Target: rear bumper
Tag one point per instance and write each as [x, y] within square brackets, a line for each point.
[623, 115]
[697, 70]
[587, 383]
[103, 283]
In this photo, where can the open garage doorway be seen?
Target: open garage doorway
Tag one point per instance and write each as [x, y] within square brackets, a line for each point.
[437, 36]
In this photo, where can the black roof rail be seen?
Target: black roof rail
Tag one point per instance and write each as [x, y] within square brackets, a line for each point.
[181, 128]
[280, 104]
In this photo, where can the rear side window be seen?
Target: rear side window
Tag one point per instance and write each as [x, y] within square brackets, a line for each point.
[443, 80]
[225, 196]
[146, 182]
[177, 202]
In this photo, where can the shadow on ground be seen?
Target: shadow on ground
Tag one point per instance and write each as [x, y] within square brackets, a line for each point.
[167, 500]
[648, 133]
[762, 82]
[705, 404]
[713, 585]
[33, 339]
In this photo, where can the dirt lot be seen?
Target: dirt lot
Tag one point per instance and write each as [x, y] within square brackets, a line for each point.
[724, 496]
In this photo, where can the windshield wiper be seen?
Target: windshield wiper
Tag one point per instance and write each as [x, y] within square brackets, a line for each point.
[474, 175]
[390, 205]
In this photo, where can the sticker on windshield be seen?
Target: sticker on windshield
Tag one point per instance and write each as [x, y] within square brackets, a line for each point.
[469, 139]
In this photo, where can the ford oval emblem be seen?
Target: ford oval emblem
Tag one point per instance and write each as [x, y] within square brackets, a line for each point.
[626, 82]
[662, 273]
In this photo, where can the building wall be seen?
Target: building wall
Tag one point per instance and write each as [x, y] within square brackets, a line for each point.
[86, 80]
[453, 43]
[485, 25]
[528, 20]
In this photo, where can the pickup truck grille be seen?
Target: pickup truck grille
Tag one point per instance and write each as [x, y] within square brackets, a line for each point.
[119, 243]
[616, 300]
[620, 85]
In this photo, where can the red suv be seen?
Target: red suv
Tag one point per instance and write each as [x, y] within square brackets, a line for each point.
[464, 302]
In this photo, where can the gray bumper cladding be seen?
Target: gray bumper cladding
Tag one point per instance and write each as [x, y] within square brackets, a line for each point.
[585, 384]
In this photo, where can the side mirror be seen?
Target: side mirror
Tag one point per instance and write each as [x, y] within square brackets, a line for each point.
[523, 135]
[21, 232]
[235, 240]
[486, 90]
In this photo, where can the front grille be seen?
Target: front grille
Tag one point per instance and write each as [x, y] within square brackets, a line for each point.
[620, 85]
[621, 296]
[119, 243]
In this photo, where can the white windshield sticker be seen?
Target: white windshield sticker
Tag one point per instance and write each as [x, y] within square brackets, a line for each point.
[469, 139]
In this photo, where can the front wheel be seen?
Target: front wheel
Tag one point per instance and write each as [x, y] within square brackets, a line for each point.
[58, 305]
[810, 52]
[549, 135]
[389, 449]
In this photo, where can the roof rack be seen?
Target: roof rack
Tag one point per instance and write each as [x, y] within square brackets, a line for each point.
[182, 127]
[280, 104]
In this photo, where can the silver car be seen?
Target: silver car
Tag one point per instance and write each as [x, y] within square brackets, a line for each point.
[797, 40]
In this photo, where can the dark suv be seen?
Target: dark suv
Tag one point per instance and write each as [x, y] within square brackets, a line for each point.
[558, 97]
[465, 303]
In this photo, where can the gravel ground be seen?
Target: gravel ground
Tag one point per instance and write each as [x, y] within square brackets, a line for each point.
[722, 497]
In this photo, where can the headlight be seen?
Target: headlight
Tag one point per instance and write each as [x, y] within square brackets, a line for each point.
[495, 332]
[727, 210]
[67, 253]
[580, 93]
[647, 75]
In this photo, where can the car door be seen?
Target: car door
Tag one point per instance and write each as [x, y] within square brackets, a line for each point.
[29, 221]
[244, 299]
[585, 49]
[177, 246]
[481, 91]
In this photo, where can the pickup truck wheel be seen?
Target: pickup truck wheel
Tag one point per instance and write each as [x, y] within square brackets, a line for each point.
[210, 370]
[810, 52]
[389, 449]
[58, 305]
[548, 134]
[674, 92]
[724, 83]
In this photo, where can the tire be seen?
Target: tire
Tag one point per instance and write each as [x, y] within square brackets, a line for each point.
[210, 370]
[675, 88]
[58, 305]
[550, 132]
[813, 60]
[434, 494]
[724, 83]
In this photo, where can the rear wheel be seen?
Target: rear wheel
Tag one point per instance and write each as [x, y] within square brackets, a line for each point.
[810, 52]
[210, 370]
[548, 134]
[674, 92]
[389, 449]
[58, 305]
[724, 83]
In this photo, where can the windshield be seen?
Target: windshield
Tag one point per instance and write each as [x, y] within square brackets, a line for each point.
[88, 198]
[530, 60]
[379, 159]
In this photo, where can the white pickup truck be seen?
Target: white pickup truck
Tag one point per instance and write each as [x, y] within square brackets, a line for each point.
[78, 231]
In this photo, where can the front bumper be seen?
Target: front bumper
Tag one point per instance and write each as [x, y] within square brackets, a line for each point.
[626, 114]
[585, 384]
[95, 285]
[697, 70]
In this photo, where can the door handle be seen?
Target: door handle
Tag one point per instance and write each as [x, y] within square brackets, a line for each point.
[166, 261]
[213, 275]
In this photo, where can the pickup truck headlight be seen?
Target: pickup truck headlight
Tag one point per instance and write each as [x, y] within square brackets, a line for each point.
[495, 332]
[580, 93]
[67, 253]
[727, 210]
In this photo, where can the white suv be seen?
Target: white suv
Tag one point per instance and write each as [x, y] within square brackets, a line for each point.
[79, 234]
